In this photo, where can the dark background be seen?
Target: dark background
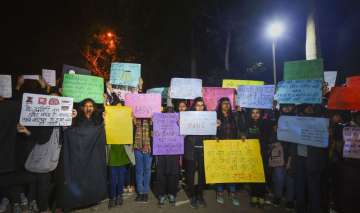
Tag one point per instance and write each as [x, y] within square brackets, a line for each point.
[47, 34]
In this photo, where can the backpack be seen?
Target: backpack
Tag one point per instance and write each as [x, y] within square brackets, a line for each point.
[45, 157]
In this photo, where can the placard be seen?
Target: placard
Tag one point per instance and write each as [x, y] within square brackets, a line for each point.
[49, 76]
[31, 77]
[230, 83]
[5, 86]
[143, 105]
[299, 92]
[163, 91]
[118, 125]
[304, 70]
[330, 78]
[127, 74]
[74, 70]
[260, 97]
[233, 161]
[81, 87]
[311, 131]
[46, 110]
[351, 137]
[198, 123]
[121, 93]
[344, 98]
[353, 81]
[213, 94]
[185, 88]
[166, 134]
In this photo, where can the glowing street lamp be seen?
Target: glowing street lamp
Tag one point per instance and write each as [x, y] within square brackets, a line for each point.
[274, 31]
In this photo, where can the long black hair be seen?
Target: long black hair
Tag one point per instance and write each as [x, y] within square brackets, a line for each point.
[198, 99]
[95, 118]
[219, 112]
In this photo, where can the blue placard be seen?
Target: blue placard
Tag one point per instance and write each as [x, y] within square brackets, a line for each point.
[299, 92]
[126, 74]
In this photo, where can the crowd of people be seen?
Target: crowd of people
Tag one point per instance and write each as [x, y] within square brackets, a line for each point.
[303, 179]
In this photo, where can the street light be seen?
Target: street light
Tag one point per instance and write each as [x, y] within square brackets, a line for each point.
[274, 31]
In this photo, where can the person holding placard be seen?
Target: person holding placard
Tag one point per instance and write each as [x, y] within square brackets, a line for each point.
[194, 162]
[227, 129]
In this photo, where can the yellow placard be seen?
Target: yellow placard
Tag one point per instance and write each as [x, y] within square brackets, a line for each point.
[118, 125]
[233, 161]
[229, 83]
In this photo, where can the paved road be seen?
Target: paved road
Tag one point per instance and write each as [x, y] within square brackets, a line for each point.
[182, 205]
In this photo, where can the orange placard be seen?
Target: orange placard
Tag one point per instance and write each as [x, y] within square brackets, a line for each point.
[353, 81]
[344, 98]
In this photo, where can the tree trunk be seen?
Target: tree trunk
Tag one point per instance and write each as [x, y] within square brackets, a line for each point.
[227, 51]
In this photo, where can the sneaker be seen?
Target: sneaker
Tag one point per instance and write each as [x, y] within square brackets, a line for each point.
[119, 200]
[145, 198]
[4, 204]
[172, 200]
[201, 202]
[234, 199]
[261, 202]
[24, 200]
[193, 203]
[139, 198]
[16, 208]
[162, 200]
[33, 207]
[254, 201]
[112, 203]
[220, 198]
[276, 202]
[289, 206]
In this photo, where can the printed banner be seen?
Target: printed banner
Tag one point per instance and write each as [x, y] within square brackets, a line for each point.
[81, 87]
[344, 98]
[229, 83]
[198, 123]
[351, 137]
[353, 81]
[311, 131]
[304, 70]
[213, 94]
[46, 110]
[143, 105]
[5, 86]
[49, 76]
[118, 125]
[166, 134]
[74, 70]
[185, 88]
[233, 161]
[260, 97]
[330, 78]
[127, 74]
[299, 92]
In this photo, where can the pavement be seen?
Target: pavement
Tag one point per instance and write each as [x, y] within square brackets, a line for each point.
[182, 205]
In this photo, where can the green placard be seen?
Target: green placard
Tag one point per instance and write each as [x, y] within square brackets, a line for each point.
[304, 70]
[81, 87]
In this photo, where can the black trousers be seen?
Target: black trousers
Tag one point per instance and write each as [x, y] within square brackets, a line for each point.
[191, 166]
[40, 190]
[167, 172]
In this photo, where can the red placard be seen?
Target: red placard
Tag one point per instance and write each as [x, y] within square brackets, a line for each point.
[353, 81]
[344, 98]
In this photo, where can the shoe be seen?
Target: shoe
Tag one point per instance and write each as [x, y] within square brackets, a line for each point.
[4, 204]
[112, 203]
[193, 203]
[234, 199]
[139, 198]
[220, 198]
[201, 202]
[172, 200]
[16, 208]
[24, 200]
[261, 202]
[254, 201]
[33, 207]
[289, 206]
[276, 202]
[119, 200]
[162, 200]
[145, 198]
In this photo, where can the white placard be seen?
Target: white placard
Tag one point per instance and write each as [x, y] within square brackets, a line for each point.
[31, 77]
[330, 78]
[49, 76]
[260, 97]
[46, 110]
[185, 88]
[351, 137]
[198, 123]
[5, 86]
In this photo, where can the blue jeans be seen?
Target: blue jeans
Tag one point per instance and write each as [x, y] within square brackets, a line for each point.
[143, 171]
[281, 179]
[117, 180]
[231, 187]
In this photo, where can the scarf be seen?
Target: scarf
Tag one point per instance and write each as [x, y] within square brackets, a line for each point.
[142, 135]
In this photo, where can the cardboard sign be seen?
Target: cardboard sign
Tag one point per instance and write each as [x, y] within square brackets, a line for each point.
[121, 93]
[304, 70]
[31, 77]
[185, 88]
[5, 86]
[143, 105]
[344, 98]
[351, 137]
[166, 134]
[198, 123]
[127, 74]
[260, 97]
[163, 91]
[46, 110]
[330, 78]
[353, 81]
[212, 95]
[68, 69]
[311, 131]
[81, 87]
[49, 76]
[299, 92]
[276, 158]
[229, 83]
[118, 125]
[233, 161]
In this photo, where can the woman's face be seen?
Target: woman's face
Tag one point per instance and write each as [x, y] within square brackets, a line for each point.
[199, 106]
[255, 114]
[336, 119]
[309, 110]
[88, 109]
[182, 107]
[287, 109]
[225, 106]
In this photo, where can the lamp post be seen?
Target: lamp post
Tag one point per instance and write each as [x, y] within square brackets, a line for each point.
[274, 31]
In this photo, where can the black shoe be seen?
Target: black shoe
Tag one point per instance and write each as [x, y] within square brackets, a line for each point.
[201, 202]
[139, 198]
[193, 203]
[119, 200]
[112, 203]
[162, 200]
[289, 206]
[145, 198]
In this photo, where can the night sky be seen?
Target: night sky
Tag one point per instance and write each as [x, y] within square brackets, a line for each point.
[47, 34]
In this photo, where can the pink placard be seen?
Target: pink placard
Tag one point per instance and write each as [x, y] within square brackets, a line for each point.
[213, 94]
[143, 105]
